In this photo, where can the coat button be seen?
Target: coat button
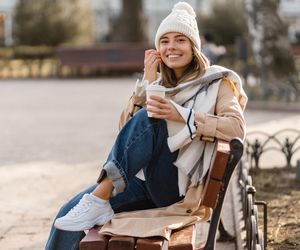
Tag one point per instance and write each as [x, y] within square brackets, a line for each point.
[189, 211]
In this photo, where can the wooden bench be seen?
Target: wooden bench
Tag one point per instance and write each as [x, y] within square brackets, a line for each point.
[225, 161]
[104, 59]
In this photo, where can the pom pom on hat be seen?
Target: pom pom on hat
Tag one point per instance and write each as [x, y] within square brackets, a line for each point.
[182, 19]
[185, 6]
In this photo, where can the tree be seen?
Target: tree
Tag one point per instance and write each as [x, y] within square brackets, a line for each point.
[226, 21]
[42, 22]
[129, 26]
[270, 44]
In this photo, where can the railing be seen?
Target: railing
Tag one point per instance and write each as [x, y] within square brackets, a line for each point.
[286, 141]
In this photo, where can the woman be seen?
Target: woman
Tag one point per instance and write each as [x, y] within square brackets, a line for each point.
[160, 162]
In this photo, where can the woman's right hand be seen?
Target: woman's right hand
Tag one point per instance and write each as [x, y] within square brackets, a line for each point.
[151, 62]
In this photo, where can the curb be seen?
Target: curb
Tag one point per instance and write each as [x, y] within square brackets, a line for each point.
[273, 106]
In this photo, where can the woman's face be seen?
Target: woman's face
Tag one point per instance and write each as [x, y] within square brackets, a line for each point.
[176, 51]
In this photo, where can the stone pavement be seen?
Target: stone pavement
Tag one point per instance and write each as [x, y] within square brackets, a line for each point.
[54, 135]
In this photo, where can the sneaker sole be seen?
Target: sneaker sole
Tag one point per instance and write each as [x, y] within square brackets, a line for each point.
[75, 227]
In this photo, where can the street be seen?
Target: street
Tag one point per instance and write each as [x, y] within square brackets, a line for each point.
[69, 121]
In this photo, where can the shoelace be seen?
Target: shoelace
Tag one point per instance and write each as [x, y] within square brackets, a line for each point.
[80, 207]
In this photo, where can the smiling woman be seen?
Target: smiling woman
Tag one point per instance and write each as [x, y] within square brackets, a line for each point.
[161, 161]
[176, 52]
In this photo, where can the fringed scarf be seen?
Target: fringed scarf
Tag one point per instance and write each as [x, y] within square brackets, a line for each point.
[200, 95]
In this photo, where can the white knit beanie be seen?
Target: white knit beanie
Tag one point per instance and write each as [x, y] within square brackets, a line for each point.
[182, 19]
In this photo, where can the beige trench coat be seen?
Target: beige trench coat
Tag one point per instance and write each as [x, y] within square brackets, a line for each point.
[228, 122]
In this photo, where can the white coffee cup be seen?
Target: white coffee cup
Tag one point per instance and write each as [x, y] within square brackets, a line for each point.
[156, 90]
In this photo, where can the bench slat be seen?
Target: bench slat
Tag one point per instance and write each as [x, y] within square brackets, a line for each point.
[153, 243]
[121, 243]
[214, 181]
[183, 239]
[94, 241]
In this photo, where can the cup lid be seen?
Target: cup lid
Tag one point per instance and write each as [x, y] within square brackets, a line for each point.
[156, 87]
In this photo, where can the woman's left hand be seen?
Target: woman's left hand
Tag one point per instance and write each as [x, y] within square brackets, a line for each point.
[162, 108]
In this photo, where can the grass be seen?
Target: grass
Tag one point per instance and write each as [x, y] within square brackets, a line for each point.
[280, 189]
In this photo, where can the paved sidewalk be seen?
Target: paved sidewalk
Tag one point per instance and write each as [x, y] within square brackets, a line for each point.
[54, 134]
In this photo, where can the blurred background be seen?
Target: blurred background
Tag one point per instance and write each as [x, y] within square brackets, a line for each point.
[87, 38]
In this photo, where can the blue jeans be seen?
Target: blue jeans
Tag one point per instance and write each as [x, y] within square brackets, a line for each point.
[141, 144]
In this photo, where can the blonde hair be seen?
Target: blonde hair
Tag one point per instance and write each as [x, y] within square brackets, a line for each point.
[196, 68]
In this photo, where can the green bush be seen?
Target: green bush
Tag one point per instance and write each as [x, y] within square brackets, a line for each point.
[27, 52]
[43, 22]
[6, 53]
[33, 52]
[226, 22]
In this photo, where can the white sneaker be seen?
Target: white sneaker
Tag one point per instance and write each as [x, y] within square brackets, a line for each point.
[86, 214]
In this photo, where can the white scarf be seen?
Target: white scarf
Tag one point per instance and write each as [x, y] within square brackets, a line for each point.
[200, 95]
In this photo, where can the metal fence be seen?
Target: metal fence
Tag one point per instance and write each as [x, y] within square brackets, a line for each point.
[285, 142]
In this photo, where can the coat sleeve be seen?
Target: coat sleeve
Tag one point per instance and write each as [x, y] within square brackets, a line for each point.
[227, 121]
[134, 104]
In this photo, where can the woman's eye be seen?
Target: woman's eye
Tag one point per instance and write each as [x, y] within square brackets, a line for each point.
[163, 41]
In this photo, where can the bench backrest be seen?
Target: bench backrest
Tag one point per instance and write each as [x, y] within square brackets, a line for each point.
[215, 176]
[226, 159]
[121, 56]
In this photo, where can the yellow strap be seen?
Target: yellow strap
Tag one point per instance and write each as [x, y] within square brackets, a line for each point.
[234, 89]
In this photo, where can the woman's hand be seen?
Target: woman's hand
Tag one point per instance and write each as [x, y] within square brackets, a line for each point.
[151, 62]
[162, 108]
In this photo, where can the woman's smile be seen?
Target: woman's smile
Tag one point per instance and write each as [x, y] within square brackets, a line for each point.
[174, 55]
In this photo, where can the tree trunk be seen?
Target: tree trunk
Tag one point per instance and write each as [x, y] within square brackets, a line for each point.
[130, 25]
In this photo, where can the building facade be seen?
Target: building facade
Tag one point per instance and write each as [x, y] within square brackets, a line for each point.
[290, 10]
[6, 19]
[104, 11]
